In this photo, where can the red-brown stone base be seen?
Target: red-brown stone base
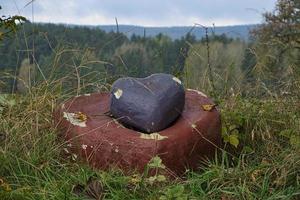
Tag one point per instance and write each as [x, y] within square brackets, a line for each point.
[104, 143]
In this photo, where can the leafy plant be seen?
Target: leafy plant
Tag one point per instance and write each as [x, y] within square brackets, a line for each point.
[174, 193]
[154, 164]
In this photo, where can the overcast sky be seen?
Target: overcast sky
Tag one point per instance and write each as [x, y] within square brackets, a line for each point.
[141, 12]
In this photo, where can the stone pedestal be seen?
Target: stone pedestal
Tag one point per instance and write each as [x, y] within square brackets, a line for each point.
[103, 142]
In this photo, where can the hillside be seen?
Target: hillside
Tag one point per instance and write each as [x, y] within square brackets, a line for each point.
[238, 31]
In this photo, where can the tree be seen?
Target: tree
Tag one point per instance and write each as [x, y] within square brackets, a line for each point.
[283, 24]
[277, 47]
[9, 24]
[130, 59]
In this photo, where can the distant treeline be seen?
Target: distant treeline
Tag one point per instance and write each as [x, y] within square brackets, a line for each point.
[237, 31]
[110, 55]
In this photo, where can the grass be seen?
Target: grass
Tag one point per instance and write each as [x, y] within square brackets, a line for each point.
[265, 165]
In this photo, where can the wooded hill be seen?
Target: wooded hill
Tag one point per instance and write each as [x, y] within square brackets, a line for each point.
[176, 32]
[110, 54]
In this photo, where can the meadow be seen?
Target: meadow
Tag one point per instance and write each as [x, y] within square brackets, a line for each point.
[255, 84]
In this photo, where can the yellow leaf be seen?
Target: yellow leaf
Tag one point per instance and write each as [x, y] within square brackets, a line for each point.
[208, 107]
[233, 140]
[80, 116]
[135, 179]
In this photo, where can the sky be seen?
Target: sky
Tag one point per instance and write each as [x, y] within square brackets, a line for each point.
[141, 12]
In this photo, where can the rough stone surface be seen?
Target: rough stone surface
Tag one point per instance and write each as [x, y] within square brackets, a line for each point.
[148, 104]
[104, 143]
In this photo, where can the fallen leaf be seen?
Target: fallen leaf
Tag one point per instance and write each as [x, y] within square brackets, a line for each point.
[208, 107]
[135, 179]
[118, 93]
[80, 116]
[77, 119]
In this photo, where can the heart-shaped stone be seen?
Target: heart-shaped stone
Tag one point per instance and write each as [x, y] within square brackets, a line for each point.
[147, 104]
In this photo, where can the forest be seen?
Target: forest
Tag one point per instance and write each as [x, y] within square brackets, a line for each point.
[109, 55]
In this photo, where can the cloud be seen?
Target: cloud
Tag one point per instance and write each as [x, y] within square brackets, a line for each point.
[142, 12]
